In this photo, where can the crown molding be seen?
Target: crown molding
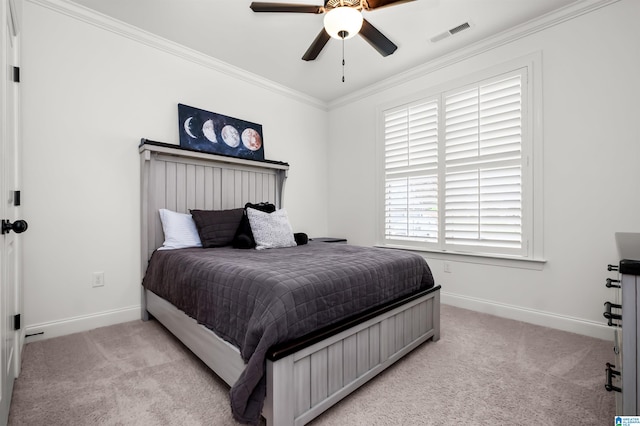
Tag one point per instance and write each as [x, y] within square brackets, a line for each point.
[97, 19]
[92, 17]
[571, 11]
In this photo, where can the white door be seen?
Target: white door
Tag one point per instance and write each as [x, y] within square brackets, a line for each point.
[10, 258]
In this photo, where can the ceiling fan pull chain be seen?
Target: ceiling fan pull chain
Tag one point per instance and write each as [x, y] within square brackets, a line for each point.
[343, 59]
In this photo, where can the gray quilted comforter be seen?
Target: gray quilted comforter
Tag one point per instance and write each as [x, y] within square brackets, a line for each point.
[258, 298]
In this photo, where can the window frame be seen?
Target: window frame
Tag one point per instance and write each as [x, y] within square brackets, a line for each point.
[531, 153]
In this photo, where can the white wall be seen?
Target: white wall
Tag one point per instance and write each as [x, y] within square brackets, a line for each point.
[89, 95]
[591, 115]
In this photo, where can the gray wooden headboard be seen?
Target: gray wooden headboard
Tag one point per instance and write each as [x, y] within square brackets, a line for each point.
[179, 180]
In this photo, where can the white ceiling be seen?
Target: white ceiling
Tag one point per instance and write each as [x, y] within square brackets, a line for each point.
[271, 44]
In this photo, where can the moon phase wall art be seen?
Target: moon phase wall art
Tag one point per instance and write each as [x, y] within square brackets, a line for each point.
[206, 131]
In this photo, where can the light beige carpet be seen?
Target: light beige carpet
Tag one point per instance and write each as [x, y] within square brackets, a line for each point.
[485, 370]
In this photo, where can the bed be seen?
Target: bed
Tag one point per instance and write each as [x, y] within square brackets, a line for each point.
[301, 371]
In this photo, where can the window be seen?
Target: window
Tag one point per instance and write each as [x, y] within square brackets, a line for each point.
[457, 174]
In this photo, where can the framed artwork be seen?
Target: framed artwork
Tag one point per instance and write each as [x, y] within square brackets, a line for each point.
[207, 131]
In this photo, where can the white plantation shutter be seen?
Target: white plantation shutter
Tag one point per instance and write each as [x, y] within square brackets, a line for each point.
[453, 169]
[411, 168]
[483, 166]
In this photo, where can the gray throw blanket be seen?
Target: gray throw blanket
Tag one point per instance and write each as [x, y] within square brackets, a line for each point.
[256, 299]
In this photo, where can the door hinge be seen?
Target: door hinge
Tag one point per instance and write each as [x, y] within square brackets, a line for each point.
[16, 322]
[16, 74]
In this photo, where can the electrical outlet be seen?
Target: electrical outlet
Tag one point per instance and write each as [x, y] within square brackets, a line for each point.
[97, 279]
[447, 267]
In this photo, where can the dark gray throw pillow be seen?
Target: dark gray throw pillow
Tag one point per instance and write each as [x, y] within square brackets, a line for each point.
[217, 228]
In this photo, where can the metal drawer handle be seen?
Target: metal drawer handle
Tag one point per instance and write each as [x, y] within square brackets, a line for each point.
[610, 373]
[611, 316]
[610, 282]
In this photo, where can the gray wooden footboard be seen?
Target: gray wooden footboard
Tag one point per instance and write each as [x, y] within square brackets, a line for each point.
[304, 384]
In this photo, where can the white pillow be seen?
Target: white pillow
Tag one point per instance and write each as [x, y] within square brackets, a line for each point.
[271, 230]
[179, 230]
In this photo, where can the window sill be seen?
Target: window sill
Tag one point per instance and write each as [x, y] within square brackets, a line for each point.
[481, 259]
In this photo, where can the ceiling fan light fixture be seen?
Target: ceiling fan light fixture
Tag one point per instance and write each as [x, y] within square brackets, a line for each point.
[343, 22]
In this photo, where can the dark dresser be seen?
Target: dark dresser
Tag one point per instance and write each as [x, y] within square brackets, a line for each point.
[623, 314]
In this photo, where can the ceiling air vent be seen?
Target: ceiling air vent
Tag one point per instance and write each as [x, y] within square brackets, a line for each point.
[459, 28]
[451, 32]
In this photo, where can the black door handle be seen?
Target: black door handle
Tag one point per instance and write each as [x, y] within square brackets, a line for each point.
[19, 226]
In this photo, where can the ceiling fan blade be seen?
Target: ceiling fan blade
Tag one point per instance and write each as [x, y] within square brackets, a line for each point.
[285, 7]
[376, 39]
[316, 47]
[377, 4]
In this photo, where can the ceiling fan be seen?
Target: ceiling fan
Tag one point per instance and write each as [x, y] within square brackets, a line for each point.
[343, 20]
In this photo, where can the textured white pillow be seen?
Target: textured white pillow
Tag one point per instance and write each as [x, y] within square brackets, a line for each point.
[179, 230]
[271, 230]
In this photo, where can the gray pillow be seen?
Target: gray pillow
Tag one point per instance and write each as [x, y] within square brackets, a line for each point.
[217, 228]
[271, 230]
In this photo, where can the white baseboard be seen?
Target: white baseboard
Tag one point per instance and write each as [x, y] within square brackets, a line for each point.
[79, 324]
[545, 319]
